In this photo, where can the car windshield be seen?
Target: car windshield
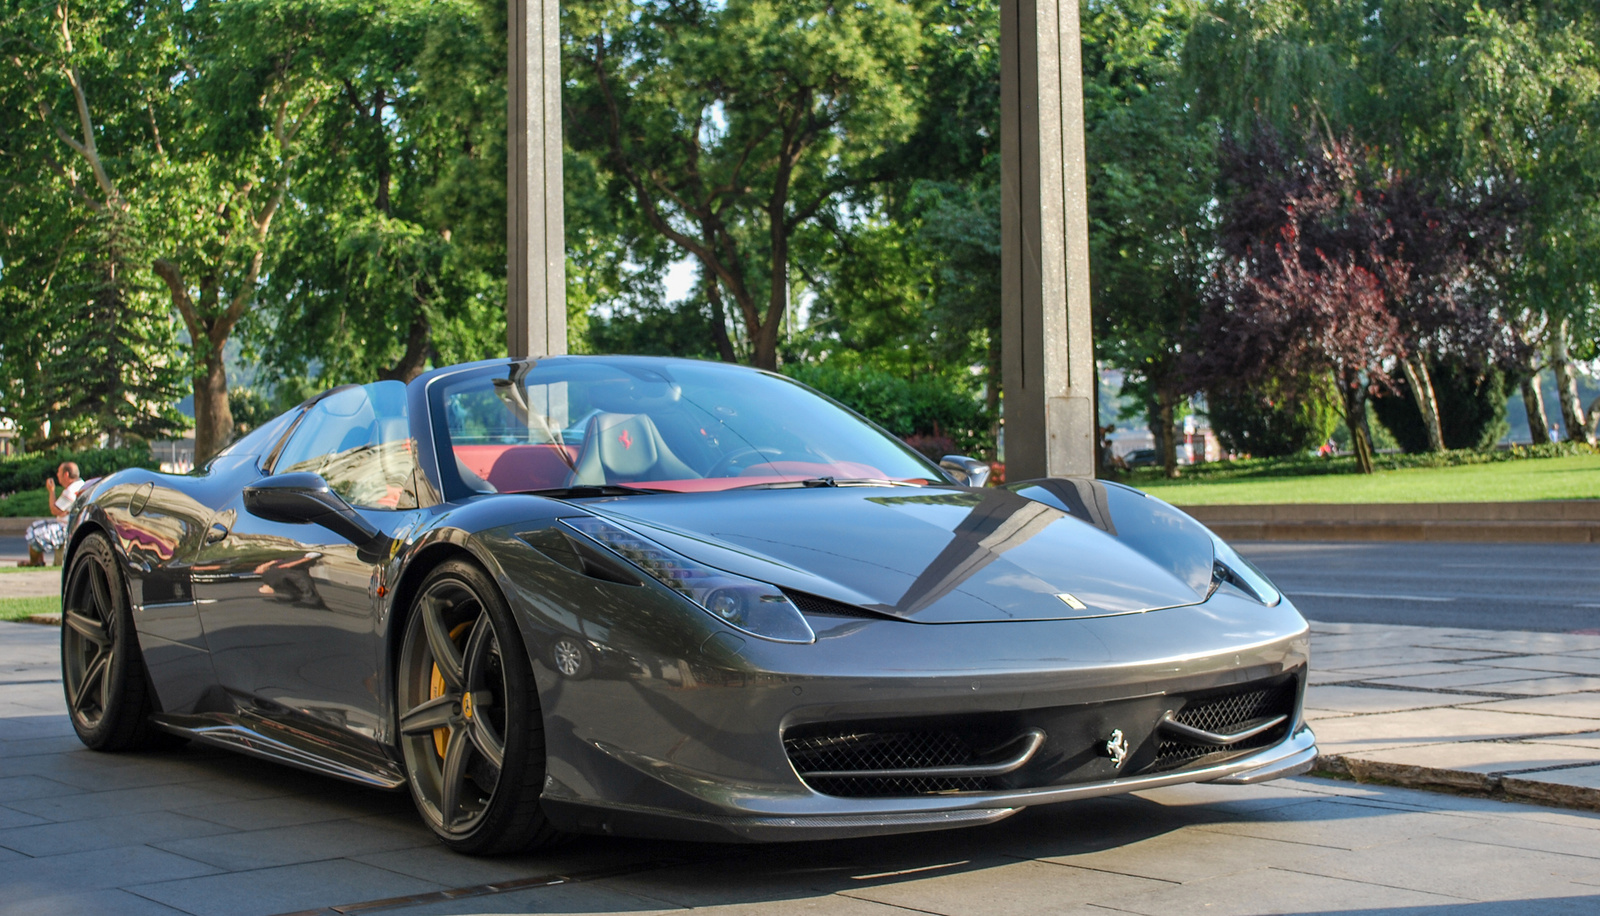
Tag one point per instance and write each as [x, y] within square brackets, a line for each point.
[673, 425]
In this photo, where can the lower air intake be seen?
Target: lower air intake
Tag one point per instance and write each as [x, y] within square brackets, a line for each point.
[1226, 713]
[864, 750]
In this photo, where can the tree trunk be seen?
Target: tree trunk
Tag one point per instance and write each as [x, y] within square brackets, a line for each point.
[1354, 395]
[213, 418]
[1567, 385]
[991, 389]
[1421, 380]
[1533, 400]
[719, 319]
[1165, 416]
[419, 344]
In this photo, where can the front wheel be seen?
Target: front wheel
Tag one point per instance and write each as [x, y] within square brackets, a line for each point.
[471, 731]
[108, 693]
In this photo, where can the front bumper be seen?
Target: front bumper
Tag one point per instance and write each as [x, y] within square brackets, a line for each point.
[1291, 757]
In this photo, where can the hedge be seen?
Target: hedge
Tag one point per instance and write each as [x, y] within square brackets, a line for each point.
[30, 471]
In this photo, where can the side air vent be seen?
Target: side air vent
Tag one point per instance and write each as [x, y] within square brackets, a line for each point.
[1254, 718]
[827, 607]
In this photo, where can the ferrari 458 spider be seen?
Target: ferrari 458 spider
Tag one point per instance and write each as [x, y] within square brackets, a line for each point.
[667, 598]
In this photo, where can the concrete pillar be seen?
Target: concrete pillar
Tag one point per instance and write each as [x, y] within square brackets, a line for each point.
[1047, 355]
[536, 275]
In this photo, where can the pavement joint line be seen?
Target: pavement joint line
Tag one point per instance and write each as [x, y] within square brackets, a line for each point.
[898, 906]
[1371, 685]
[483, 890]
[1103, 871]
[1392, 887]
[1548, 769]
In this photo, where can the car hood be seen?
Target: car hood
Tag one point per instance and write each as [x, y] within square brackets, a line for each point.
[1042, 550]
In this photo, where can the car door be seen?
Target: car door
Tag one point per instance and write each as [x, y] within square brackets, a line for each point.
[290, 611]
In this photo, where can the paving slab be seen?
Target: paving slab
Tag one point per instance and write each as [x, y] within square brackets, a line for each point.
[266, 891]
[1565, 705]
[1340, 698]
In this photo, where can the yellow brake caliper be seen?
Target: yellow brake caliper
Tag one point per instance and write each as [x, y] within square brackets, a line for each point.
[441, 735]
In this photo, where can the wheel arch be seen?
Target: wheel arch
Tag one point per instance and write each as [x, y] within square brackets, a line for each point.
[88, 525]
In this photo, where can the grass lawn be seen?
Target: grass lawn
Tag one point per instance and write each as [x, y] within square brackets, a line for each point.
[1573, 477]
[18, 608]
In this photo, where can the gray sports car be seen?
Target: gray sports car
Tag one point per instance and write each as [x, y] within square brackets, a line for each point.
[667, 598]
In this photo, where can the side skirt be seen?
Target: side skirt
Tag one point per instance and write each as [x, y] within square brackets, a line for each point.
[262, 737]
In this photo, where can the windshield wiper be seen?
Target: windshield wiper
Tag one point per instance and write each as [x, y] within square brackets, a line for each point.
[815, 482]
[587, 491]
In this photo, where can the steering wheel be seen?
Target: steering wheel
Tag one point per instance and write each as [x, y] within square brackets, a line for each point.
[725, 464]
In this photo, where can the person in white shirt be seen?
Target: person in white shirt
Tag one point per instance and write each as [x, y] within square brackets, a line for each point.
[47, 535]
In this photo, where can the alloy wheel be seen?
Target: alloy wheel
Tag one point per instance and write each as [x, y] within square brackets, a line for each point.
[454, 681]
[88, 619]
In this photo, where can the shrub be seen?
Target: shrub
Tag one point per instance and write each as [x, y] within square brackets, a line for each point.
[1472, 408]
[1256, 423]
[929, 406]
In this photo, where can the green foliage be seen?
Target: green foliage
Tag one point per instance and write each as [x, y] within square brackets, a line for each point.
[931, 406]
[728, 127]
[30, 471]
[1472, 408]
[25, 504]
[394, 255]
[88, 344]
[1257, 424]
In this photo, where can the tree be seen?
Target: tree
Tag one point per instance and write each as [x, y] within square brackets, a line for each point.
[728, 127]
[394, 252]
[1463, 93]
[1301, 296]
[1152, 172]
[86, 349]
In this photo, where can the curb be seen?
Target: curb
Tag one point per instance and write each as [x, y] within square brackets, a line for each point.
[49, 620]
[1569, 521]
[15, 527]
[1520, 788]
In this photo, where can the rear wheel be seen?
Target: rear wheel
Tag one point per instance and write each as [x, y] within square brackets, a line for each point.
[108, 693]
[471, 731]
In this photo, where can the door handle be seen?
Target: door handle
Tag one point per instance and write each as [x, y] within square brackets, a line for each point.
[216, 533]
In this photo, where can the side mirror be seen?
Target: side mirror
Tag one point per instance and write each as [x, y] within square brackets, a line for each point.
[305, 498]
[965, 471]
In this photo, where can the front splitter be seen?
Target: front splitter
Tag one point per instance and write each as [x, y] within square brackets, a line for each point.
[858, 817]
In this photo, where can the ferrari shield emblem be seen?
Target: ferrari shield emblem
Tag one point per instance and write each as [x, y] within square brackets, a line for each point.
[1116, 747]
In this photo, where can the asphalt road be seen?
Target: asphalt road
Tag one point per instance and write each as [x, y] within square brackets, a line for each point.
[1546, 587]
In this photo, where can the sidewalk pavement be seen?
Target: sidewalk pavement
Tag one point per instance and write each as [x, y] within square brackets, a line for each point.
[210, 833]
[30, 583]
[1506, 713]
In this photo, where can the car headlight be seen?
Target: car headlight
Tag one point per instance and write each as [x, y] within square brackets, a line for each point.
[1243, 574]
[755, 607]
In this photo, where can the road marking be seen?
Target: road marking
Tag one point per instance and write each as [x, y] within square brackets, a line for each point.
[1367, 597]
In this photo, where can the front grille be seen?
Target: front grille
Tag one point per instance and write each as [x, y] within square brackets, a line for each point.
[865, 750]
[1227, 713]
[1074, 750]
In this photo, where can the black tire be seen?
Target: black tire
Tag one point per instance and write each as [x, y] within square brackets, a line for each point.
[455, 718]
[109, 699]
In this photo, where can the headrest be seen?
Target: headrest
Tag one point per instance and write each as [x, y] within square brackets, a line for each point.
[627, 443]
